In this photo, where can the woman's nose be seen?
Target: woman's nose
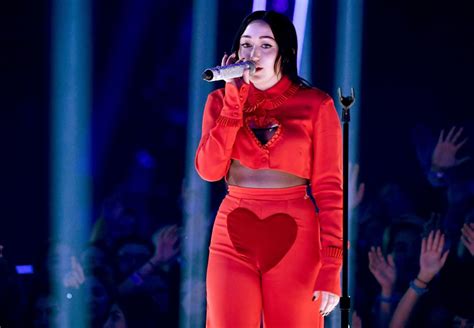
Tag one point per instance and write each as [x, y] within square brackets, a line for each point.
[254, 54]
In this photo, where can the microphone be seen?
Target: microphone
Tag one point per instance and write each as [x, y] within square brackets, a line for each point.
[228, 71]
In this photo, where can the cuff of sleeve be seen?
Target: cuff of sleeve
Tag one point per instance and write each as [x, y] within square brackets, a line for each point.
[234, 101]
[329, 275]
[240, 94]
[329, 278]
[226, 121]
[331, 252]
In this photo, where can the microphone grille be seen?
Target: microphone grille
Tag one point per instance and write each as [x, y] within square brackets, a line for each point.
[207, 75]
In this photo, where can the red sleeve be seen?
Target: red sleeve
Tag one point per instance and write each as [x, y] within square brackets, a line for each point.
[221, 121]
[326, 185]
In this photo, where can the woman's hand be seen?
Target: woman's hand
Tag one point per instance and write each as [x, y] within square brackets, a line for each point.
[356, 193]
[328, 301]
[444, 154]
[432, 257]
[356, 320]
[467, 237]
[232, 59]
[383, 270]
[74, 277]
[167, 244]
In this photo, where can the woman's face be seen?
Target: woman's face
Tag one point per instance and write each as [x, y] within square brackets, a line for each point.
[258, 44]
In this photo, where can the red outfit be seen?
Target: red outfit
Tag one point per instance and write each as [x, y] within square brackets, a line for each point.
[247, 269]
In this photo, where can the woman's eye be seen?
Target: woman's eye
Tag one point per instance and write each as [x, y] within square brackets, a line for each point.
[266, 46]
[245, 45]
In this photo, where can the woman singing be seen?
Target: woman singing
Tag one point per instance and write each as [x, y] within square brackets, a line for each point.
[275, 255]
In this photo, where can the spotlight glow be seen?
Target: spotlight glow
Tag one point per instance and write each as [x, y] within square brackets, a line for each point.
[196, 217]
[70, 146]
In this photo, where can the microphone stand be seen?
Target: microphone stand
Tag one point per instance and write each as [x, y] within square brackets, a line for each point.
[345, 302]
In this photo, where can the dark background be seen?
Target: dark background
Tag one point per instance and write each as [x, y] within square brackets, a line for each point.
[417, 68]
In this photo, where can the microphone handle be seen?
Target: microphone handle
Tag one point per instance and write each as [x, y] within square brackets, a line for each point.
[228, 72]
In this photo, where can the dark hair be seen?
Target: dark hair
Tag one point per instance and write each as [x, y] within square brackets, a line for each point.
[285, 36]
[405, 223]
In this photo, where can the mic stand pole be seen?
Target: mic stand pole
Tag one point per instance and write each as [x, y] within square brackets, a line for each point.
[345, 303]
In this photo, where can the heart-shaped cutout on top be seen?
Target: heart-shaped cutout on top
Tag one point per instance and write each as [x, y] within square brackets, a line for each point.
[264, 241]
[265, 130]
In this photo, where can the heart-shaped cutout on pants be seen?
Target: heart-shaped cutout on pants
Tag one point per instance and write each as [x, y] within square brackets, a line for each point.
[264, 241]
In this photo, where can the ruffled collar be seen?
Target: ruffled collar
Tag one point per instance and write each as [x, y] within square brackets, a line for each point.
[271, 98]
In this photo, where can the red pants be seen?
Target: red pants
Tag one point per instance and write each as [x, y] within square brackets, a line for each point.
[264, 260]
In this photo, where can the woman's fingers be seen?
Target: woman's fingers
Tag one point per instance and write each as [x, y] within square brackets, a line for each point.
[77, 268]
[441, 137]
[450, 134]
[444, 257]
[429, 241]
[353, 173]
[333, 301]
[457, 135]
[224, 59]
[436, 240]
[390, 260]
[376, 258]
[464, 159]
[324, 302]
[330, 304]
[373, 258]
[468, 232]
[231, 59]
[380, 254]
[246, 76]
[441, 244]
[316, 295]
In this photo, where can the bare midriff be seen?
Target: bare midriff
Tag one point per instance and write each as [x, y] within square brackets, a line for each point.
[242, 176]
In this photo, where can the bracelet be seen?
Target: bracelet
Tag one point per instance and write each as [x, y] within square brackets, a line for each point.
[418, 290]
[438, 172]
[422, 281]
[383, 299]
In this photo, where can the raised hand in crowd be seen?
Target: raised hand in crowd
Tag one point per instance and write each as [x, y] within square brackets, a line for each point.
[75, 276]
[444, 154]
[166, 241]
[356, 320]
[432, 259]
[167, 244]
[356, 193]
[384, 270]
[467, 237]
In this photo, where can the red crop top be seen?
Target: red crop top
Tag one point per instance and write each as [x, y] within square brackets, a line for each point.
[307, 143]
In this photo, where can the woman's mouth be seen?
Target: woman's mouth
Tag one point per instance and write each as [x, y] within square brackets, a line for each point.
[258, 69]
